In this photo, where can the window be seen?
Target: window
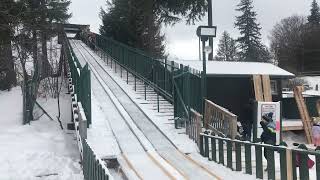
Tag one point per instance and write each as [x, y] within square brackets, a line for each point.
[274, 89]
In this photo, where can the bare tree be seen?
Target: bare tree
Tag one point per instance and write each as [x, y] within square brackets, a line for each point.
[287, 41]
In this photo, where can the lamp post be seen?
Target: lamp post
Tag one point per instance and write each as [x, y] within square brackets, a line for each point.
[205, 33]
[210, 57]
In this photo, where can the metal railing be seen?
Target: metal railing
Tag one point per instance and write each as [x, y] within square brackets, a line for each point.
[80, 79]
[194, 126]
[93, 167]
[281, 162]
[177, 84]
[155, 73]
[79, 87]
[220, 120]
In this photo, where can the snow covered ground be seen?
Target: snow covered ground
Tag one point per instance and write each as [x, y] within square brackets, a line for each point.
[40, 150]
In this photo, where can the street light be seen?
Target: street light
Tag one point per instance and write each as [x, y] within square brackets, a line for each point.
[208, 49]
[204, 33]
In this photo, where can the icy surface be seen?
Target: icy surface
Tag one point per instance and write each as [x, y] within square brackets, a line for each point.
[40, 149]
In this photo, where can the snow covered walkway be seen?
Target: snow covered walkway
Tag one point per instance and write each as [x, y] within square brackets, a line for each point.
[40, 150]
[131, 149]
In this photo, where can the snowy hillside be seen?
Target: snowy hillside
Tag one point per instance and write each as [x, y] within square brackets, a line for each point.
[37, 151]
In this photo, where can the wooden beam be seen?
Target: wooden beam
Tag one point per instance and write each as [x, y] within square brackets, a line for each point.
[318, 107]
[305, 117]
[258, 88]
[266, 88]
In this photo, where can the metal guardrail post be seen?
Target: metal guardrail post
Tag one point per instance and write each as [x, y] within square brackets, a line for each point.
[115, 67]
[104, 57]
[206, 146]
[201, 145]
[135, 70]
[238, 156]
[229, 154]
[127, 76]
[271, 165]
[294, 168]
[121, 71]
[247, 151]
[303, 168]
[221, 151]
[107, 59]
[318, 166]
[158, 103]
[145, 91]
[135, 83]
[283, 163]
[165, 74]
[111, 62]
[259, 164]
[213, 149]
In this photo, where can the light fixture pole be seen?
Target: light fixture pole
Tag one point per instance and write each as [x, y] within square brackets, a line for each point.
[210, 57]
[205, 33]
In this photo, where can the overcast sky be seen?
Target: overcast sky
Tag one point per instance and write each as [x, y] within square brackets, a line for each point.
[181, 39]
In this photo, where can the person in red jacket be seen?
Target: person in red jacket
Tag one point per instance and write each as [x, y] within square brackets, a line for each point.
[310, 162]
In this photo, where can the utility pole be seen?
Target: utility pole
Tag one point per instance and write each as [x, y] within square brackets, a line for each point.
[210, 57]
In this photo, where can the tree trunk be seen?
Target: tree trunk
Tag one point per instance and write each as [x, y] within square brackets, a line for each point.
[46, 69]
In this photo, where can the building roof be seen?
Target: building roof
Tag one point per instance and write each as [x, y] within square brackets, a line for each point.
[224, 68]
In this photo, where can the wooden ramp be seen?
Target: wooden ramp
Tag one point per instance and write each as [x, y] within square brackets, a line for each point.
[305, 117]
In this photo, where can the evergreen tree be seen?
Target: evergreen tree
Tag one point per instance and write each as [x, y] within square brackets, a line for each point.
[140, 21]
[120, 21]
[8, 14]
[250, 39]
[227, 48]
[132, 28]
[314, 17]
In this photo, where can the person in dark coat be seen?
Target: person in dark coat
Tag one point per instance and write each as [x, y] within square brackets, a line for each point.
[268, 135]
[247, 120]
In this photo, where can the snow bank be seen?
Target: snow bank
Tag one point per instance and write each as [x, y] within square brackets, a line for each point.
[40, 150]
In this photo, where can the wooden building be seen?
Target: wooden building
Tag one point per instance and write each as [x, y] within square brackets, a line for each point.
[230, 84]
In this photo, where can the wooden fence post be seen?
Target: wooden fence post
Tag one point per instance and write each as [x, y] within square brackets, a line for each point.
[289, 164]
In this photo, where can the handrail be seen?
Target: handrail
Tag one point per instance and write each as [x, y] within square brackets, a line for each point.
[194, 126]
[93, 167]
[232, 153]
[220, 120]
[151, 84]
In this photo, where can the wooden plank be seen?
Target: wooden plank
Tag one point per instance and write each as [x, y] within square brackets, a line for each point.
[257, 88]
[289, 164]
[318, 107]
[266, 88]
[292, 128]
[306, 120]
